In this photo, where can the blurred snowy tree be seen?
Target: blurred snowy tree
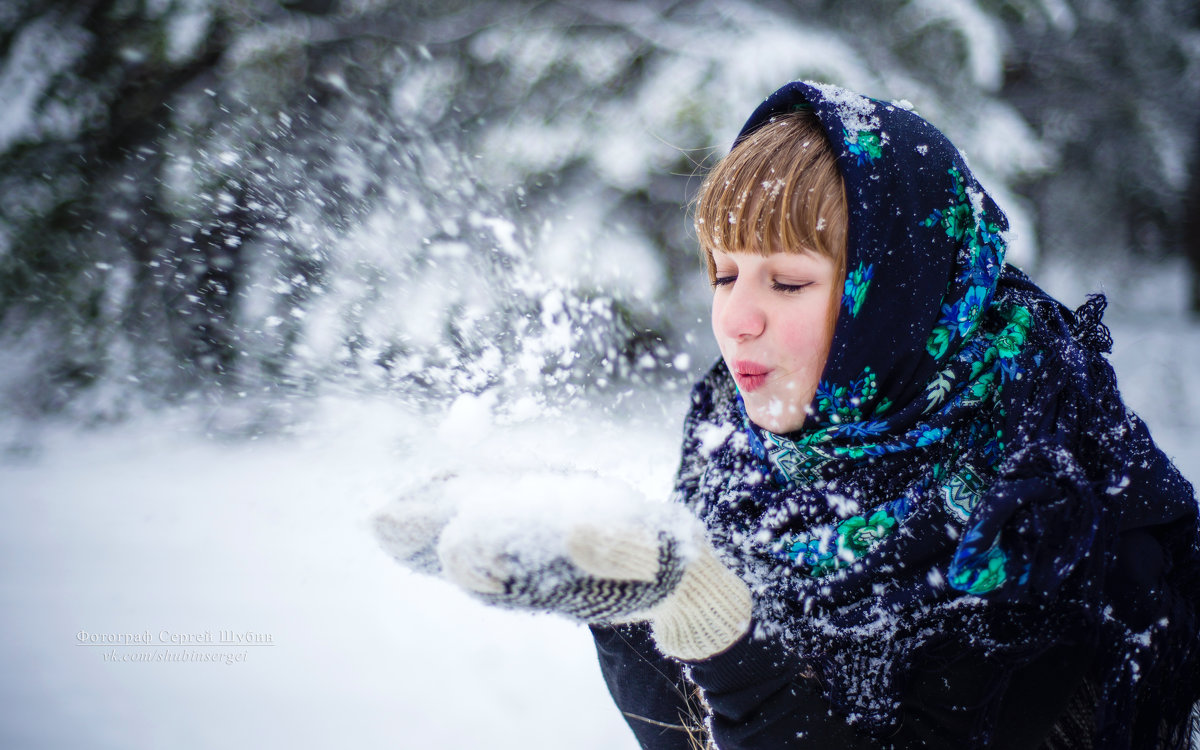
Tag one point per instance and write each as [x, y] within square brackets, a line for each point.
[1113, 89]
[438, 197]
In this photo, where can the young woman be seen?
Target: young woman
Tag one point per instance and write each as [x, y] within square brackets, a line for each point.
[911, 510]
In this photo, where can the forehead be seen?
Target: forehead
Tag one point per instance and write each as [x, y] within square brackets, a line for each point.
[782, 260]
[768, 251]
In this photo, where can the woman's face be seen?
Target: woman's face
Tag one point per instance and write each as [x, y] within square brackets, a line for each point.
[771, 316]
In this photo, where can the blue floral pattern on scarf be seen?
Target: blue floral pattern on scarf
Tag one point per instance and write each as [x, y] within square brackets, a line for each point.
[960, 316]
[865, 145]
[857, 283]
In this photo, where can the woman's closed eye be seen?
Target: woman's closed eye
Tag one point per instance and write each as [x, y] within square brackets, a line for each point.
[788, 287]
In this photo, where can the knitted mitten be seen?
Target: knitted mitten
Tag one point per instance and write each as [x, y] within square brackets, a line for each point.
[650, 564]
[410, 527]
[706, 613]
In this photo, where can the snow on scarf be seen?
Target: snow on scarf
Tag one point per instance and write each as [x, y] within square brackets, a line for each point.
[969, 469]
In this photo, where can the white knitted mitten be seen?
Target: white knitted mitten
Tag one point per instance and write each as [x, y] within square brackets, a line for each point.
[410, 527]
[706, 613]
[650, 562]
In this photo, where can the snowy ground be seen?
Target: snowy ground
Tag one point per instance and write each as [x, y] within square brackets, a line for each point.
[148, 527]
[145, 527]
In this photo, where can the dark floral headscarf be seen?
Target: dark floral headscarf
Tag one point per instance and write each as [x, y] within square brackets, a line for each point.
[968, 472]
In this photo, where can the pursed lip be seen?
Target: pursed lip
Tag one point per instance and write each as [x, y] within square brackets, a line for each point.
[750, 376]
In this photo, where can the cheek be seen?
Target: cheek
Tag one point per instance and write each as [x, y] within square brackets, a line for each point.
[807, 345]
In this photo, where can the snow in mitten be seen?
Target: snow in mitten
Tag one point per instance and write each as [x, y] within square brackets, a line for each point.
[617, 558]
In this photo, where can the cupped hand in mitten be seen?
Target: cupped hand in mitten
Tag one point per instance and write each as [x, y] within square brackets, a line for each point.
[608, 556]
[586, 570]
[410, 527]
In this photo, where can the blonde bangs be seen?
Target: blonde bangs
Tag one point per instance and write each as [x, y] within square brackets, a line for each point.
[779, 190]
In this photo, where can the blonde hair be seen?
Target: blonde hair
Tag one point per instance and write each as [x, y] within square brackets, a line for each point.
[778, 190]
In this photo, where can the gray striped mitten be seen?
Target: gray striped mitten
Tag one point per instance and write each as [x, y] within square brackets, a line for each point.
[510, 568]
[606, 556]
[409, 529]
[651, 562]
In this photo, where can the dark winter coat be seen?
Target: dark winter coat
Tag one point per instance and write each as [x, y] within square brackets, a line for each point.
[971, 542]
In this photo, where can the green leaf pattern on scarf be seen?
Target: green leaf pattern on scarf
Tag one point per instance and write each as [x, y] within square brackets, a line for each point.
[985, 248]
[857, 283]
[843, 403]
[864, 145]
[985, 572]
[822, 552]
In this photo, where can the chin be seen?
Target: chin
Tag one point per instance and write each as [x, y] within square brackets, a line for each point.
[772, 420]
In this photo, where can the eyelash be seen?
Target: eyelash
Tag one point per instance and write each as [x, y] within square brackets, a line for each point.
[789, 288]
[775, 285]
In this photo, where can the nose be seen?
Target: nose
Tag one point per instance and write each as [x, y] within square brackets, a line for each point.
[739, 313]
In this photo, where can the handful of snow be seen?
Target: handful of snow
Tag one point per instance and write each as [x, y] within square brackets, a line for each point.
[591, 548]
